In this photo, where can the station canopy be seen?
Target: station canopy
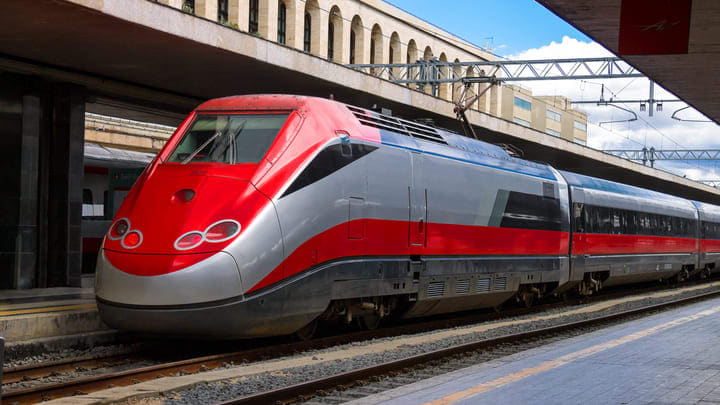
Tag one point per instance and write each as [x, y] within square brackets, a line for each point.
[676, 43]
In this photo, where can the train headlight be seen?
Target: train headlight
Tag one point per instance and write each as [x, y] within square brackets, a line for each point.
[222, 231]
[189, 240]
[119, 229]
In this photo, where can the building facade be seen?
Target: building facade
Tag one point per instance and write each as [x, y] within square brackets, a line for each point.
[372, 31]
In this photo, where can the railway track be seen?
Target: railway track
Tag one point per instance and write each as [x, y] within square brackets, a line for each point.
[92, 383]
[436, 362]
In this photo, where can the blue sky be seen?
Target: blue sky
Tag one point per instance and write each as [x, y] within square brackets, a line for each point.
[524, 29]
[514, 25]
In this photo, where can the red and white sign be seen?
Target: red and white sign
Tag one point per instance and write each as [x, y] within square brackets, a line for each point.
[650, 27]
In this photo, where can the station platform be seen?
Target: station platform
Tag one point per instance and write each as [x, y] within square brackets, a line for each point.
[667, 358]
[47, 312]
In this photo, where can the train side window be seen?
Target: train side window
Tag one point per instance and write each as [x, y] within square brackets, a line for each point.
[632, 223]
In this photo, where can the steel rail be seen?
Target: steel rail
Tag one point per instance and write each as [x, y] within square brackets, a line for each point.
[352, 377]
[90, 384]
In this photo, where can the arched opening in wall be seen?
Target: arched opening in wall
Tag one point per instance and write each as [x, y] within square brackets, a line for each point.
[335, 35]
[356, 40]
[457, 86]
[311, 31]
[376, 46]
[222, 10]
[412, 57]
[394, 52]
[282, 22]
[427, 56]
[253, 16]
[188, 6]
[307, 31]
[443, 73]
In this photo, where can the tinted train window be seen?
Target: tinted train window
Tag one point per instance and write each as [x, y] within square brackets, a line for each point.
[615, 221]
[238, 138]
[327, 162]
[532, 211]
[710, 230]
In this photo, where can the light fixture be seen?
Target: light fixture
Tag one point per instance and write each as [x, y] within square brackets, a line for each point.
[658, 107]
[642, 107]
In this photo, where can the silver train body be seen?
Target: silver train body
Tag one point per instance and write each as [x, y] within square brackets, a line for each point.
[409, 226]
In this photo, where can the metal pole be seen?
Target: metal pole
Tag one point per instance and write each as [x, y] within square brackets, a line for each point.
[652, 98]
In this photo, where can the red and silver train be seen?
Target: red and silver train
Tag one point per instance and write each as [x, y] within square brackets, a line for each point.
[264, 213]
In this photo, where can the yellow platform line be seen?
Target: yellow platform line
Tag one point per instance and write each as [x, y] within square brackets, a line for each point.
[46, 309]
[568, 358]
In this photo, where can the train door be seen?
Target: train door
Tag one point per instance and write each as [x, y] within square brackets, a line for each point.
[418, 204]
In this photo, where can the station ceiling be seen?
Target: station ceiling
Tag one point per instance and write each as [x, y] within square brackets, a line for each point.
[675, 42]
[155, 64]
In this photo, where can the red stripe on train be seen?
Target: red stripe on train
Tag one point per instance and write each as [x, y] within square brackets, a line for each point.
[709, 245]
[592, 244]
[390, 238]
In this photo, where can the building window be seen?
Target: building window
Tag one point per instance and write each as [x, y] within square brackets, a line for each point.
[390, 55]
[522, 103]
[282, 22]
[552, 132]
[253, 19]
[352, 47]
[580, 125]
[372, 51]
[521, 121]
[331, 41]
[189, 6]
[308, 28]
[222, 11]
[581, 142]
[553, 115]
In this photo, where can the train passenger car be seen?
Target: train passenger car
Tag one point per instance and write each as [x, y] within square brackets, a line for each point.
[263, 213]
[624, 234]
[709, 257]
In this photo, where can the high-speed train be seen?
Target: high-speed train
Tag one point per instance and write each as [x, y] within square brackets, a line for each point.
[265, 213]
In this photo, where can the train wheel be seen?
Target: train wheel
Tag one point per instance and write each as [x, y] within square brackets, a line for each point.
[369, 321]
[308, 331]
[528, 299]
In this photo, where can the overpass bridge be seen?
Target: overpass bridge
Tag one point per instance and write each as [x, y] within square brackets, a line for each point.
[142, 60]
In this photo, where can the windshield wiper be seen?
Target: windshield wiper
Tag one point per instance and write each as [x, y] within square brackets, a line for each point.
[207, 142]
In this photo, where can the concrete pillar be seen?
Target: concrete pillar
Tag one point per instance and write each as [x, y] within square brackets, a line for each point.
[41, 135]
[207, 9]
[238, 14]
[20, 119]
[345, 49]
[364, 56]
[268, 18]
[320, 34]
[173, 3]
[64, 197]
[295, 23]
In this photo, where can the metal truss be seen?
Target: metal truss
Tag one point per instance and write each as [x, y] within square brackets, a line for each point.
[651, 154]
[711, 183]
[435, 72]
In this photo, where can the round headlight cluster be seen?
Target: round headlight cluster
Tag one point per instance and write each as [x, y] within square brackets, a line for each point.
[218, 232]
[129, 238]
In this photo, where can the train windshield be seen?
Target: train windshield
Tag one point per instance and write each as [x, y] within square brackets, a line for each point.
[222, 138]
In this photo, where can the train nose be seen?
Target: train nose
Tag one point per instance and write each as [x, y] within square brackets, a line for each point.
[212, 279]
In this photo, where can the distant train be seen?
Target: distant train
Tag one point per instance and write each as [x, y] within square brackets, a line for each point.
[109, 174]
[265, 213]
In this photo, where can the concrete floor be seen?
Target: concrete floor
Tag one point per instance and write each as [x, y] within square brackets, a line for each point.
[668, 358]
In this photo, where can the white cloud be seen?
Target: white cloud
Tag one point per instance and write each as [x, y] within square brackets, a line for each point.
[659, 131]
